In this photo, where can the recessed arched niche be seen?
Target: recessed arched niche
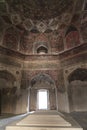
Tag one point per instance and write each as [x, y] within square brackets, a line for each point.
[11, 38]
[72, 37]
[41, 48]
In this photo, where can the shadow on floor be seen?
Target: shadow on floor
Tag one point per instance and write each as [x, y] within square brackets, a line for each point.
[80, 118]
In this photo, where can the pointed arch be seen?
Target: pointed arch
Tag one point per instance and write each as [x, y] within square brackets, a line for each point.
[78, 74]
[11, 38]
[4, 74]
[72, 37]
[42, 78]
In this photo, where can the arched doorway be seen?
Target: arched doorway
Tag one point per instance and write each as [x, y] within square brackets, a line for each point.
[77, 90]
[42, 90]
[7, 90]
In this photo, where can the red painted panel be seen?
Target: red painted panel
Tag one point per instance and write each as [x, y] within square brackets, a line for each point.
[72, 39]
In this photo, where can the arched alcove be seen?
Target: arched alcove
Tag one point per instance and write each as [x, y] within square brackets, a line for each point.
[42, 50]
[41, 47]
[42, 82]
[77, 90]
[11, 38]
[7, 75]
[7, 92]
[71, 37]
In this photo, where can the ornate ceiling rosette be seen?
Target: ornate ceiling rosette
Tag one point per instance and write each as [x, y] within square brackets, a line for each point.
[37, 15]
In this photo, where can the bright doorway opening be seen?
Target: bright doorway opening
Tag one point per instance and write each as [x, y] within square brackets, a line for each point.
[42, 98]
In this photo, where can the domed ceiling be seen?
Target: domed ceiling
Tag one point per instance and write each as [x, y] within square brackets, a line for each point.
[37, 13]
[22, 22]
[39, 9]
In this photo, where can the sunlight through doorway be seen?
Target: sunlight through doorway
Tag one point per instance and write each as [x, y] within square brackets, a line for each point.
[42, 98]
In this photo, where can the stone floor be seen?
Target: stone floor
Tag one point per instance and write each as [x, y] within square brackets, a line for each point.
[80, 117]
[8, 119]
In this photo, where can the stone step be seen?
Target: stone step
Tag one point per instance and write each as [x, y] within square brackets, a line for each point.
[40, 128]
[49, 120]
[44, 120]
